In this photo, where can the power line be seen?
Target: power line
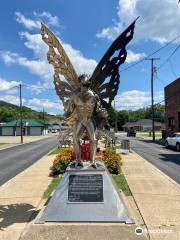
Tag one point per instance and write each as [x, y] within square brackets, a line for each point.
[150, 55]
[172, 68]
[171, 96]
[162, 81]
[37, 87]
[169, 57]
[5, 90]
[21, 111]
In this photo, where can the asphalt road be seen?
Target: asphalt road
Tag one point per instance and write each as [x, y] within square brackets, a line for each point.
[15, 159]
[167, 160]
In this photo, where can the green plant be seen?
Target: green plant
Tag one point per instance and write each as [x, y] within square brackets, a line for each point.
[62, 160]
[122, 184]
[55, 151]
[112, 160]
[52, 186]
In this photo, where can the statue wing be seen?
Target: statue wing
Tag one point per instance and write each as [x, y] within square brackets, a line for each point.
[105, 78]
[63, 68]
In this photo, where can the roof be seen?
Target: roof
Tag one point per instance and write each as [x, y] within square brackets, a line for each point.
[129, 124]
[172, 83]
[26, 122]
[142, 122]
[54, 122]
[147, 122]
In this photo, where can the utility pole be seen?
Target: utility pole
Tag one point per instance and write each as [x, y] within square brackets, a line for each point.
[152, 93]
[44, 122]
[20, 100]
[115, 127]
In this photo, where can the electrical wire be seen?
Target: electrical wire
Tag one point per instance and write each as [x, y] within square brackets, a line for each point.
[169, 57]
[151, 54]
[172, 68]
[162, 81]
[37, 87]
[5, 90]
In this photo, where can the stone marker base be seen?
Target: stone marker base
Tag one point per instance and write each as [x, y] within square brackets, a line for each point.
[85, 195]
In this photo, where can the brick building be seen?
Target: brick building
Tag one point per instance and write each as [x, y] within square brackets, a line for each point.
[172, 107]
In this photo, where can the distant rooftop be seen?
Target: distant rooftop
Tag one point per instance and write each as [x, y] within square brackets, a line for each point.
[26, 122]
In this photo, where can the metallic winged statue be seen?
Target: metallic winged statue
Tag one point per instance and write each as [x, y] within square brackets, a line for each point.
[86, 99]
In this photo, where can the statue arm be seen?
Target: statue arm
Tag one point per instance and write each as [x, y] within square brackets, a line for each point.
[70, 106]
[98, 104]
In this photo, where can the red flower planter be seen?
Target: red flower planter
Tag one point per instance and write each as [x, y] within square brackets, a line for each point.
[85, 152]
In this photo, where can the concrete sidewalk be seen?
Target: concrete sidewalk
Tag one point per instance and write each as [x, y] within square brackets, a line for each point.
[156, 195]
[20, 198]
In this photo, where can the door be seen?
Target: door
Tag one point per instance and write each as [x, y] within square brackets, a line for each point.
[172, 140]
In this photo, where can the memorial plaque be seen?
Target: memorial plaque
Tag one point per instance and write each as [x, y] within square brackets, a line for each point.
[85, 188]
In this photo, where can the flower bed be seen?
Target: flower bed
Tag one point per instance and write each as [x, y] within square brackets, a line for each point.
[62, 160]
[112, 160]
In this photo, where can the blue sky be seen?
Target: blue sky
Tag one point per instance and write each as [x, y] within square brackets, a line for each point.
[86, 29]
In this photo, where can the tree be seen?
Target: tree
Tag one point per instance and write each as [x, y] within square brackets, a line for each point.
[124, 116]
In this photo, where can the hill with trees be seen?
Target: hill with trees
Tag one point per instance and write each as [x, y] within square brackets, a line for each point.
[9, 112]
[124, 116]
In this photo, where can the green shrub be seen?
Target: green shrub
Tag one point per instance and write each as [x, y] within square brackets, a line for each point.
[62, 160]
[112, 160]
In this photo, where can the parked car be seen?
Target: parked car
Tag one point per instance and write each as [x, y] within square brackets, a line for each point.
[173, 141]
[54, 130]
[131, 133]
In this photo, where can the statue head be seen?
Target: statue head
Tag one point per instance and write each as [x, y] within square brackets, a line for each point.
[85, 81]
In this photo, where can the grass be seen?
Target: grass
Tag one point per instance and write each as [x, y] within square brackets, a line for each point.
[119, 180]
[146, 134]
[54, 151]
[52, 186]
[2, 143]
[122, 184]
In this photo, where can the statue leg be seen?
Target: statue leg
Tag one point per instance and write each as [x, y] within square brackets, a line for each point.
[93, 146]
[78, 130]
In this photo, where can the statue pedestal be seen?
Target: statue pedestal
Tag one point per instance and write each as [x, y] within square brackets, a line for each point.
[85, 195]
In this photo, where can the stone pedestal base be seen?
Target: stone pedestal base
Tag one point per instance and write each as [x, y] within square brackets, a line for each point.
[77, 200]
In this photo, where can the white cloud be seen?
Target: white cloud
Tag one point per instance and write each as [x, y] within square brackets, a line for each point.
[51, 20]
[136, 99]
[159, 20]
[6, 85]
[80, 63]
[26, 22]
[9, 57]
[40, 66]
[35, 103]
[37, 67]
[31, 24]
[11, 99]
[134, 57]
[35, 43]
[38, 104]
